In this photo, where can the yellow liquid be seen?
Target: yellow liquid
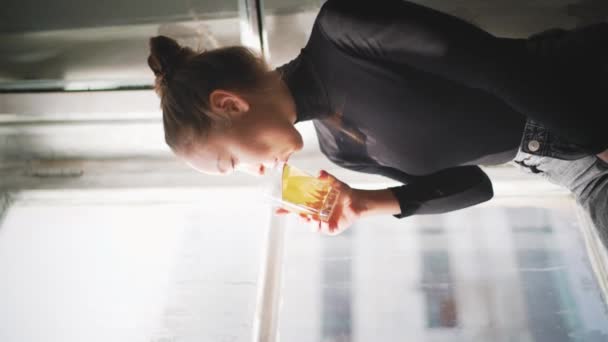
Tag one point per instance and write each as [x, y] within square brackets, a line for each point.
[306, 194]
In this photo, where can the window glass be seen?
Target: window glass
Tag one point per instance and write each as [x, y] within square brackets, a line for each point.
[67, 45]
[138, 270]
[479, 274]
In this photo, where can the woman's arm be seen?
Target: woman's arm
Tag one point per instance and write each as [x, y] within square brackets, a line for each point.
[378, 202]
[447, 190]
[444, 191]
[569, 102]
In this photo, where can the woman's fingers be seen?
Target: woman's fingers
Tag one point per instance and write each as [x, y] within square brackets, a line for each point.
[327, 176]
[313, 221]
[304, 218]
[328, 229]
[281, 211]
[332, 225]
[324, 227]
[314, 226]
[333, 181]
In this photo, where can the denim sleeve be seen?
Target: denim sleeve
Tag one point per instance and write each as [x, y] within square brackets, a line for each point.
[568, 97]
[444, 191]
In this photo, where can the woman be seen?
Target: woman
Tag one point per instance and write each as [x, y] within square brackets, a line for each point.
[402, 91]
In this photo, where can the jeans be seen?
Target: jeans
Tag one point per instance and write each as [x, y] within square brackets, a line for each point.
[561, 163]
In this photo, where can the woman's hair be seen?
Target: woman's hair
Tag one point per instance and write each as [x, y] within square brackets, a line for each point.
[185, 78]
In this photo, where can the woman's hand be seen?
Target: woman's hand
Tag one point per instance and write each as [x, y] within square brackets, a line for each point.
[349, 207]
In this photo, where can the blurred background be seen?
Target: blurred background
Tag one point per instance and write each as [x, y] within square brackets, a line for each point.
[104, 236]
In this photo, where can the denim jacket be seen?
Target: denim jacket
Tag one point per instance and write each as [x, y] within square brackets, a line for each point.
[541, 141]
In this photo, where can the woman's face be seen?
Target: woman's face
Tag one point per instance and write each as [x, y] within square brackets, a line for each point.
[253, 143]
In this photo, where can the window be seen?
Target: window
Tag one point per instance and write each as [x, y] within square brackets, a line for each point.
[131, 266]
[441, 310]
[514, 272]
[107, 237]
[66, 45]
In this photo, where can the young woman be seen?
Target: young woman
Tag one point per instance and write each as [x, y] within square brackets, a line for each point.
[402, 91]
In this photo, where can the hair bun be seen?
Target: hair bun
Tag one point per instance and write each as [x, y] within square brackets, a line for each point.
[164, 53]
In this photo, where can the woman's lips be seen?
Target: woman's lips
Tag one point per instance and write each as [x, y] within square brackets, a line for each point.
[284, 160]
[262, 167]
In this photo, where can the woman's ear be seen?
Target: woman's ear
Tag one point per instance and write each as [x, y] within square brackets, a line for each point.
[228, 103]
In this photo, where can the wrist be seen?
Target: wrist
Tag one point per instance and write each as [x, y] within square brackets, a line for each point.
[378, 202]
